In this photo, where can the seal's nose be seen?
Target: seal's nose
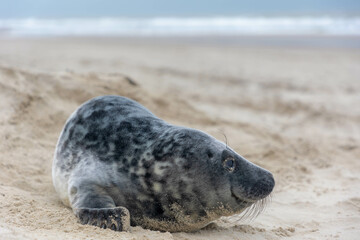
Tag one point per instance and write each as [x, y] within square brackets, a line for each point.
[251, 182]
[263, 186]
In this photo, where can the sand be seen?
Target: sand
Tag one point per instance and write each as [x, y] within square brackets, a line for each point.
[292, 110]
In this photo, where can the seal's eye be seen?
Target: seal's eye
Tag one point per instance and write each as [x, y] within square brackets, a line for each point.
[229, 164]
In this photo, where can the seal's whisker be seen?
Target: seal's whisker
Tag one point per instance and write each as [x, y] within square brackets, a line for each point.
[226, 141]
[253, 211]
[248, 212]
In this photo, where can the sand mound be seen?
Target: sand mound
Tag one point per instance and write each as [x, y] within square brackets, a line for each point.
[35, 108]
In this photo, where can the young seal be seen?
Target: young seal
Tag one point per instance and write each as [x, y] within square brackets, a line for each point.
[116, 162]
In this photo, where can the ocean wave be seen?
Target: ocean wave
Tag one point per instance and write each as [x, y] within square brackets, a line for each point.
[182, 26]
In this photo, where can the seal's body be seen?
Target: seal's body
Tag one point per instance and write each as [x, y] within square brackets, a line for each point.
[116, 161]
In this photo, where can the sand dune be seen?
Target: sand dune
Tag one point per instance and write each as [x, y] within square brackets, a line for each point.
[293, 111]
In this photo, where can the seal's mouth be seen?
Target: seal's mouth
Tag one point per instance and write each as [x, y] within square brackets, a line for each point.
[252, 208]
[241, 200]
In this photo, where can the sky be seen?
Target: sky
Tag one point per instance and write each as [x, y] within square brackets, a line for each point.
[172, 8]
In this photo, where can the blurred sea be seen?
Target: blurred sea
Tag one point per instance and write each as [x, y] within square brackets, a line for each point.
[202, 26]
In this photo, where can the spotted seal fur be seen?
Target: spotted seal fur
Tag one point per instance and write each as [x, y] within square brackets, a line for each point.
[116, 163]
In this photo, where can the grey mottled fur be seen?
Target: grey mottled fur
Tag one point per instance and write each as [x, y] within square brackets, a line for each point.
[114, 153]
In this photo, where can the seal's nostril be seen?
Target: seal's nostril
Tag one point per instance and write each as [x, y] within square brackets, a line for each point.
[262, 187]
[268, 184]
[272, 180]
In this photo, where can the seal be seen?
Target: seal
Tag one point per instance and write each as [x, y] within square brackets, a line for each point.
[116, 164]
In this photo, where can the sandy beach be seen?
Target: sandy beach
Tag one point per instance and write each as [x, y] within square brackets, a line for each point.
[294, 110]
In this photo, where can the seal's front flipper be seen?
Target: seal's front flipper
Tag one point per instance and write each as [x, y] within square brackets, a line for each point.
[94, 206]
[117, 219]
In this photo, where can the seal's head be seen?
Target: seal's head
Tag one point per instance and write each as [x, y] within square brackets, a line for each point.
[217, 180]
[248, 182]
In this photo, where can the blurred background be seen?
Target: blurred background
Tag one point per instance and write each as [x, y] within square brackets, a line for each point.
[184, 18]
